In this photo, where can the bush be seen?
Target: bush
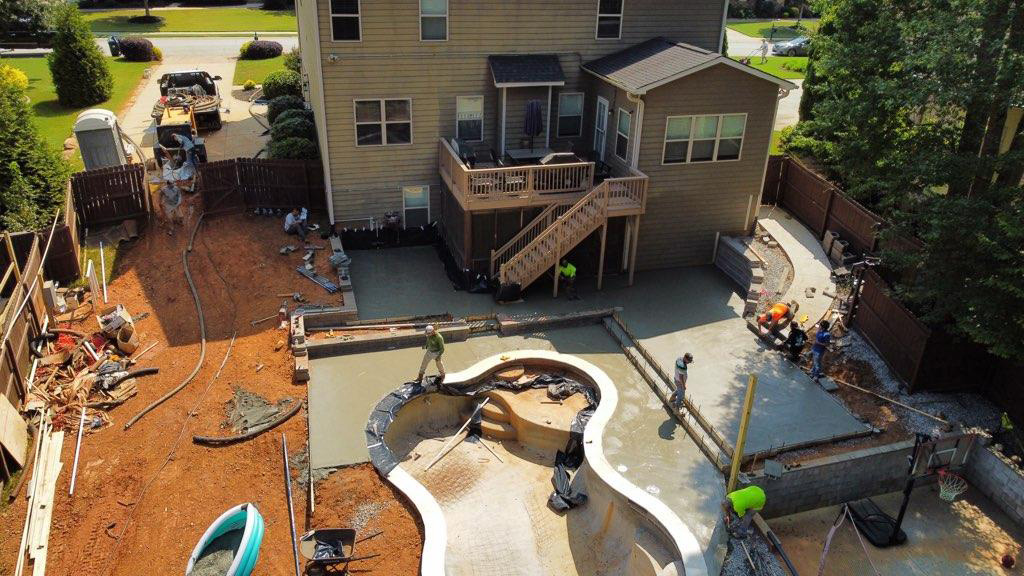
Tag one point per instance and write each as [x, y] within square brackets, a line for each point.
[144, 19]
[244, 48]
[137, 49]
[282, 83]
[282, 103]
[300, 113]
[261, 50]
[158, 54]
[249, 85]
[293, 60]
[11, 76]
[766, 9]
[799, 66]
[740, 9]
[278, 4]
[293, 148]
[78, 68]
[32, 173]
[792, 12]
[292, 127]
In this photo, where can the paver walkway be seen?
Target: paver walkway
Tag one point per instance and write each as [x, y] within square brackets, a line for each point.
[811, 266]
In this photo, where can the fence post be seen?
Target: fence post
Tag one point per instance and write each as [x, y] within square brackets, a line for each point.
[828, 211]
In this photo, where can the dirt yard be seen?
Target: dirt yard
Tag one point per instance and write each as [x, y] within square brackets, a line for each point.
[163, 499]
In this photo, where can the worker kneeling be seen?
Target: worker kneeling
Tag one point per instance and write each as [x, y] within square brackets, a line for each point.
[777, 317]
[567, 279]
[740, 506]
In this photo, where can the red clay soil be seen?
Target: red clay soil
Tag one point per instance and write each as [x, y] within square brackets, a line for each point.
[238, 272]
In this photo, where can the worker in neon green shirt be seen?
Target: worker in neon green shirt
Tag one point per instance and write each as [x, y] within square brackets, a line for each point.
[567, 277]
[743, 504]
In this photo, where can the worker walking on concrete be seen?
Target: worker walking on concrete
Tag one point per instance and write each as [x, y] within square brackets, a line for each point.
[434, 346]
[821, 341]
[740, 506]
[567, 276]
[679, 394]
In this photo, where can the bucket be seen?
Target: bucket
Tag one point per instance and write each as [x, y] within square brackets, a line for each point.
[127, 340]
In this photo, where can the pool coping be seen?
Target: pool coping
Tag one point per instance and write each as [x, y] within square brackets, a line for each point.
[689, 556]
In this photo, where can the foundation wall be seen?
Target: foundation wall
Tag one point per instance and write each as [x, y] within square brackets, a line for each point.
[734, 257]
[1002, 481]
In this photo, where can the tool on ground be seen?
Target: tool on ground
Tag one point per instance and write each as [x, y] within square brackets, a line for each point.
[103, 272]
[458, 435]
[749, 559]
[287, 249]
[493, 453]
[135, 359]
[78, 447]
[296, 296]
[291, 508]
[321, 281]
[262, 320]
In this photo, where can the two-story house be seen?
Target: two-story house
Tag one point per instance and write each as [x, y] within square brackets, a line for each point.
[525, 128]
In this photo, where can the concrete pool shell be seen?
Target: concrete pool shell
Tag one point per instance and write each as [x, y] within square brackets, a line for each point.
[620, 530]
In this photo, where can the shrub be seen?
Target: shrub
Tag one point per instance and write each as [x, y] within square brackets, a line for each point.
[11, 76]
[244, 48]
[158, 54]
[278, 4]
[282, 103]
[293, 60]
[292, 127]
[293, 148]
[144, 19]
[137, 49]
[282, 83]
[261, 50]
[32, 173]
[796, 66]
[740, 9]
[301, 113]
[249, 85]
[78, 68]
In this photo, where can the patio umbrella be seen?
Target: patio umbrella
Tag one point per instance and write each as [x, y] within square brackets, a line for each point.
[533, 122]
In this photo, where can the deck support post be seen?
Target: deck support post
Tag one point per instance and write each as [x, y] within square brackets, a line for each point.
[600, 263]
[632, 248]
[501, 144]
[547, 126]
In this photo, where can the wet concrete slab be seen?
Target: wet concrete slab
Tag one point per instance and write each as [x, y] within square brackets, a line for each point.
[671, 311]
[641, 441]
[965, 538]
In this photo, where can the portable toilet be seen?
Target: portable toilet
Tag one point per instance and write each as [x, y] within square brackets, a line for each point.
[99, 139]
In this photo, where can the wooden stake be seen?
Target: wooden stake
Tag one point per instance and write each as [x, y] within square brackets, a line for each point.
[741, 439]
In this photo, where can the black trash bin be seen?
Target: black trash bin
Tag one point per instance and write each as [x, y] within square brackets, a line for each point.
[115, 46]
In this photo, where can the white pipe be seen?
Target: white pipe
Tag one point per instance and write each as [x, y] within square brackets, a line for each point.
[764, 172]
[547, 127]
[78, 447]
[103, 272]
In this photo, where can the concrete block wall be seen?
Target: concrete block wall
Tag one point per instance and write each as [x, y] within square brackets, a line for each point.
[995, 476]
[734, 257]
[836, 479]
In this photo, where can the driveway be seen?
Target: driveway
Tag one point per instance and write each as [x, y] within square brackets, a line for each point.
[241, 135]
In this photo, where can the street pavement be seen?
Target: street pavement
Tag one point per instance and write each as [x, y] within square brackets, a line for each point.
[741, 45]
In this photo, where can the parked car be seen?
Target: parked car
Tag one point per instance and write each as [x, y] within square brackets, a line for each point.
[796, 47]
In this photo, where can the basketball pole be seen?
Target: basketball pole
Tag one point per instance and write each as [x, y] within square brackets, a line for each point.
[741, 438]
[907, 489]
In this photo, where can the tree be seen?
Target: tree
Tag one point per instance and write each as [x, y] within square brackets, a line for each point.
[33, 175]
[28, 15]
[78, 68]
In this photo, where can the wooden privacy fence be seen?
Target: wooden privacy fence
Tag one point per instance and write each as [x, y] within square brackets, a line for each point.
[19, 272]
[892, 329]
[110, 195]
[63, 263]
[819, 204]
[241, 183]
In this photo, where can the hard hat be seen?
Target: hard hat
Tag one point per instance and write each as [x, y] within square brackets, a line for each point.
[430, 329]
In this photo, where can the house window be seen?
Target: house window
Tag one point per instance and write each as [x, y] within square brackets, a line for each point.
[383, 122]
[345, 22]
[570, 115]
[703, 138]
[416, 205]
[433, 19]
[609, 19]
[622, 134]
[469, 118]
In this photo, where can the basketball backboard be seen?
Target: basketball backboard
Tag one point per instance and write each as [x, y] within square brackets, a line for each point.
[950, 452]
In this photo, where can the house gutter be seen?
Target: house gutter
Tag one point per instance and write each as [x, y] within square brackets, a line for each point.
[768, 153]
[639, 101]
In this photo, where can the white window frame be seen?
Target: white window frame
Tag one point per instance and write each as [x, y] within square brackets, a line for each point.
[383, 122]
[558, 125]
[597, 22]
[615, 146]
[359, 17]
[447, 30]
[404, 219]
[482, 108]
[718, 138]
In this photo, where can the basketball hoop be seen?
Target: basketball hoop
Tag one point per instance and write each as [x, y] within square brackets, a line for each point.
[950, 485]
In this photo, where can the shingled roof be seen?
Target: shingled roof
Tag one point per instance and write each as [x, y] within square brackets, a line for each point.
[526, 70]
[658, 61]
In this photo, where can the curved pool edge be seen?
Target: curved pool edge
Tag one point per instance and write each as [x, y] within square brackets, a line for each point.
[435, 540]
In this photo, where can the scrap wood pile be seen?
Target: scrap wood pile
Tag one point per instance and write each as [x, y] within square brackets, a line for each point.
[77, 370]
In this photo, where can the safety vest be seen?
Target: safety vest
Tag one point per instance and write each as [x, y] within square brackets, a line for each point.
[569, 271]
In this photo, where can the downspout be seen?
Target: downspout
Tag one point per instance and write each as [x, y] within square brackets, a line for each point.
[321, 121]
[749, 222]
[638, 99]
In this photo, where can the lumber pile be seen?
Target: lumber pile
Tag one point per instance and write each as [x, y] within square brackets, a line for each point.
[42, 488]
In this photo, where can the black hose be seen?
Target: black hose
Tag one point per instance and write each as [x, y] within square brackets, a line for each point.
[224, 440]
[137, 373]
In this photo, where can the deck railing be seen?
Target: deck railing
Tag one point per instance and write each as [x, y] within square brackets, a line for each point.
[483, 188]
[627, 193]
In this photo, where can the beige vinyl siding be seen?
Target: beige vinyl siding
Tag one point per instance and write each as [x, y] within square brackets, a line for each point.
[313, 91]
[617, 99]
[688, 204]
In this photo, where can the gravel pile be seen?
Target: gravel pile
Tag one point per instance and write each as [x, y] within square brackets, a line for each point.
[778, 271]
[736, 563]
[217, 558]
[966, 409]
[366, 512]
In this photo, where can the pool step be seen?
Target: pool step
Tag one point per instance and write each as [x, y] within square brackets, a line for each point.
[498, 430]
[495, 412]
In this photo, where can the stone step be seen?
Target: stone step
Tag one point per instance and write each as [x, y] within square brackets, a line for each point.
[495, 412]
[498, 430]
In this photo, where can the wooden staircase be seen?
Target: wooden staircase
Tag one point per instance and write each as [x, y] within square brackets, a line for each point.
[551, 235]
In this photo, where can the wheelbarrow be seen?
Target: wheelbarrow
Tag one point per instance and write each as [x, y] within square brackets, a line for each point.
[329, 550]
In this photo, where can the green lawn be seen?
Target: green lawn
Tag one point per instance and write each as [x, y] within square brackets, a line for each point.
[205, 20]
[776, 66]
[774, 150]
[256, 70]
[783, 28]
[54, 120]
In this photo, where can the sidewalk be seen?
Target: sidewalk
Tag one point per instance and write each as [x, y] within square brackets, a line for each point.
[811, 266]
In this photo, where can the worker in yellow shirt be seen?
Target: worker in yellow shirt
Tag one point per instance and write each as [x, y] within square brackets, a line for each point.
[567, 278]
[740, 506]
